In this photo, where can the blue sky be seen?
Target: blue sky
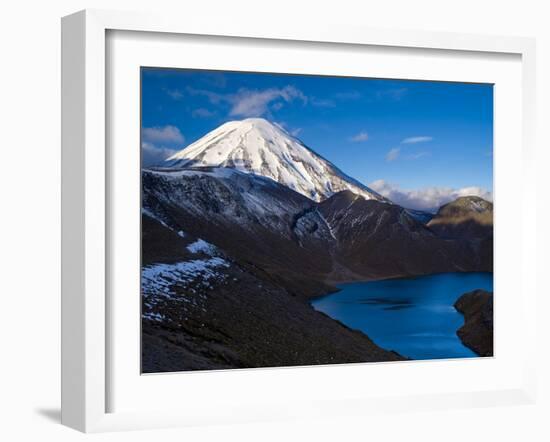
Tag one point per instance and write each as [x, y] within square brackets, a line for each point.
[398, 136]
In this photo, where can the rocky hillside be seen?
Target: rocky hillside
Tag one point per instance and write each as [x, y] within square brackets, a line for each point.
[230, 260]
[255, 219]
[377, 240]
[203, 309]
[468, 217]
[477, 331]
[303, 245]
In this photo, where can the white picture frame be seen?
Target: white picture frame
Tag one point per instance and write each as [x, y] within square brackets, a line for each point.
[86, 315]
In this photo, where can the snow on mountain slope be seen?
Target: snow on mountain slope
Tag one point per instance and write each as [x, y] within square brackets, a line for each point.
[257, 146]
[229, 196]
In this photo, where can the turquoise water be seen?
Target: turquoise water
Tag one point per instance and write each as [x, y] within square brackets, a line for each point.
[413, 316]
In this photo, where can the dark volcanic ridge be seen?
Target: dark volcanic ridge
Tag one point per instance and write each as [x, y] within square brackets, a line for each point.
[230, 260]
[212, 312]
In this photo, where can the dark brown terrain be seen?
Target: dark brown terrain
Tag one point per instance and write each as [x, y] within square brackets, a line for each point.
[376, 240]
[467, 217]
[477, 331]
[239, 318]
[230, 261]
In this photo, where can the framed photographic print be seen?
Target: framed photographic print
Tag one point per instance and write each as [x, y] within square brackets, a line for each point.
[250, 214]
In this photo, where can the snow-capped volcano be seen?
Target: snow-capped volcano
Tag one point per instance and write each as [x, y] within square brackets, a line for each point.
[257, 146]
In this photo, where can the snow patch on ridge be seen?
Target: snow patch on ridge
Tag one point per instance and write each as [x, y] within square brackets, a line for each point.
[201, 246]
[182, 282]
[160, 279]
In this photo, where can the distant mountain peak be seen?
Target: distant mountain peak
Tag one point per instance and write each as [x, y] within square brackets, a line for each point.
[465, 205]
[257, 146]
[466, 217]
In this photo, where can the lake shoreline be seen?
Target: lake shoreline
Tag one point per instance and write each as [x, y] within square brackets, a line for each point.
[413, 316]
[477, 331]
[336, 283]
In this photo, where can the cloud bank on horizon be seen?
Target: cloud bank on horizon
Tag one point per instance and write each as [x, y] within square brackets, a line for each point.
[430, 137]
[158, 143]
[428, 199]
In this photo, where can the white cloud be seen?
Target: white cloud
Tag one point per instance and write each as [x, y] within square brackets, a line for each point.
[414, 140]
[213, 97]
[393, 154]
[175, 94]
[162, 135]
[152, 154]
[429, 198]
[361, 136]
[158, 143]
[254, 103]
[202, 112]
[396, 153]
[415, 156]
[251, 102]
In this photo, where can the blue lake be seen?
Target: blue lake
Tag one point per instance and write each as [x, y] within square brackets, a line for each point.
[413, 316]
